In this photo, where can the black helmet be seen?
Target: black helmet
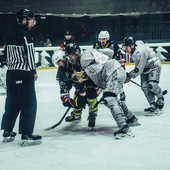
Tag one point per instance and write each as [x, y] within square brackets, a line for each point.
[71, 48]
[24, 13]
[67, 33]
[128, 41]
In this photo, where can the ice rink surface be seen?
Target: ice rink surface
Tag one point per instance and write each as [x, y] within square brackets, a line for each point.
[71, 146]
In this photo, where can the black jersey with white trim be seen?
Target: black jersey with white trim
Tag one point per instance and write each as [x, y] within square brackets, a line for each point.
[112, 45]
[19, 51]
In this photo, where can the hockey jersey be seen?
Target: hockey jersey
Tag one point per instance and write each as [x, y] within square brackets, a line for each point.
[145, 60]
[112, 45]
[99, 65]
[65, 42]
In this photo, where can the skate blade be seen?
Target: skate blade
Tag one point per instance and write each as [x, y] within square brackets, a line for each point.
[30, 142]
[72, 121]
[123, 136]
[134, 124]
[156, 113]
[8, 139]
[91, 128]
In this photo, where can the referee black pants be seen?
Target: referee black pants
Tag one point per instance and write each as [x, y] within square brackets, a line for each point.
[20, 100]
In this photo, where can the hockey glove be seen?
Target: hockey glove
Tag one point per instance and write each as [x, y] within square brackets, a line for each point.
[79, 77]
[67, 101]
[127, 78]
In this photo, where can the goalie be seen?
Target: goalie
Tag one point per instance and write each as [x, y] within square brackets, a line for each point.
[69, 75]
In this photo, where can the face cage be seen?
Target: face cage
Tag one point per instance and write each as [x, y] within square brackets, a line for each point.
[74, 62]
[99, 39]
[131, 46]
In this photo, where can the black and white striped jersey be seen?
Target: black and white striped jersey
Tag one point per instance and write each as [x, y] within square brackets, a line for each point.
[19, 51]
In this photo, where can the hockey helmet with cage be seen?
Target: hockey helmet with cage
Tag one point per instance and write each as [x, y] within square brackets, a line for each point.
[72, 52]
[128, 41]
[57, 56]
[71, 48]
[25, 13]
[103, 35]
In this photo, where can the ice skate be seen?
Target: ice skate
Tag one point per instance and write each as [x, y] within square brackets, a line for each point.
[29, 140]
[8, 136]
[91, 118]
[133, 121]
[73, 117]
[152, 111]
[123, 132]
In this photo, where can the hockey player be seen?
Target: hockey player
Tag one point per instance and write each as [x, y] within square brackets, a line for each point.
[107, 74]
[67, 40]
[105, 42]
[21, 74]
[85, 92]
[148, 66]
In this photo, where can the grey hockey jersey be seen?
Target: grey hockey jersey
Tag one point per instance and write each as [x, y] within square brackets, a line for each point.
[99, 65]
[145, 60]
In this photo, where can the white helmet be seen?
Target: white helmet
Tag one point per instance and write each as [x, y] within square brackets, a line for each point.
[103, 34]
[58, 55]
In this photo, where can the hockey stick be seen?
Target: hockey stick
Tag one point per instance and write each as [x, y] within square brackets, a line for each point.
[135, 83]
[164, 92]
[57, 124]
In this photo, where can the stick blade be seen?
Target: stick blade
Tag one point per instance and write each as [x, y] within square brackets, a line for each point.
[164, 92]
[47, 129]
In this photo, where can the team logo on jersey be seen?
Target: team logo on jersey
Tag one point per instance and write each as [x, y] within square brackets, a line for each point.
[18, 82]
[99, 57]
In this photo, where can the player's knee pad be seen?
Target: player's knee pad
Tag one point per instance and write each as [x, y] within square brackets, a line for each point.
[80, 101]
[110, 99]
[92, 103]
[144, 87]
[153, 86]
[77, 111]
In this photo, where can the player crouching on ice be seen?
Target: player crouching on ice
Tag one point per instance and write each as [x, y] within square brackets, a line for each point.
[85, 89]
[107, 74]
[148, 66]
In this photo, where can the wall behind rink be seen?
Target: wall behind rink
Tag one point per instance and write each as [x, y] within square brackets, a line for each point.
[81, 7]
[151, 28]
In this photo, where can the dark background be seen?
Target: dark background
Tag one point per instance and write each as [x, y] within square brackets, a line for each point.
[147, 20]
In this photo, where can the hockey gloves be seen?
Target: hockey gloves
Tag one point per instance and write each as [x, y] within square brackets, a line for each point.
[127, 78]
[67, 101]
[79, 77]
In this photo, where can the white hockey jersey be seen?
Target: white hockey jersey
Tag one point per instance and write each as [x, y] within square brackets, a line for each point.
[145, 60]
[99, 65]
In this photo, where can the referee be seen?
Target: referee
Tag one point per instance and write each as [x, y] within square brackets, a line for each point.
[21, 74]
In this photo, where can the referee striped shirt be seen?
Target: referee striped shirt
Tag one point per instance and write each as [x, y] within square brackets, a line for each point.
[20, 51]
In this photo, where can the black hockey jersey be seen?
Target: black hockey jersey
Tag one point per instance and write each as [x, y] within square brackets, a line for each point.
[65, 42]
[64, 78]
[112, 45]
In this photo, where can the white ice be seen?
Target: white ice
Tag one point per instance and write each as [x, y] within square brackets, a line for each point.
[71, 146]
